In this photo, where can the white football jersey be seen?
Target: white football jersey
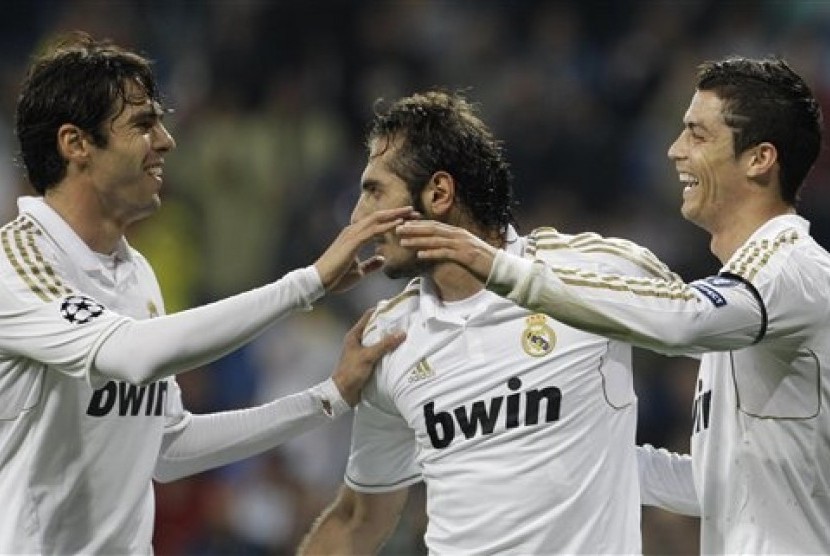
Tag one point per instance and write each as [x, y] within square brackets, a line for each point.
[522, 428]
[76, 451]
[761, 436]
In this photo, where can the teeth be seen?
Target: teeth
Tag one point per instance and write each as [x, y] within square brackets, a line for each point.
[688, 180]
[155, 171]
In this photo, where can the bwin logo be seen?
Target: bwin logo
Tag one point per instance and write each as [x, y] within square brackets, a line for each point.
[128, 399]
[441, 425]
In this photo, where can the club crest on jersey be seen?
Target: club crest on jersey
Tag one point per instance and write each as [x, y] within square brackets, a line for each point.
[152, 310]
[79, 309]
[538, 338]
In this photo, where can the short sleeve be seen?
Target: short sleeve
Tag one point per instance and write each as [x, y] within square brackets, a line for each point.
[383, 453]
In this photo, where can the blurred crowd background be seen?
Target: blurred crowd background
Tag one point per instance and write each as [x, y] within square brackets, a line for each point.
[271, 103]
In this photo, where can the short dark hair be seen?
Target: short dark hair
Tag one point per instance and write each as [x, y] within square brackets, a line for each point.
[78, 81]
[438, 131]
[765, 100]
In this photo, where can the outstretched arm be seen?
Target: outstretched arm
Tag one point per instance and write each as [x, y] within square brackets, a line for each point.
[201, 442]
[666, 315]
[145, 351]
[356, 523]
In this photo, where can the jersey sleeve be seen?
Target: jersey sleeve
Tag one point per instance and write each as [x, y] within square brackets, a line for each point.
[383, 451]
[660, 313]
[667, 481]
[61, 333]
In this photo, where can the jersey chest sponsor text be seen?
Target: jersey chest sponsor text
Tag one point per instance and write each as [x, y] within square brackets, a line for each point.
[128, 399]
[481, 417]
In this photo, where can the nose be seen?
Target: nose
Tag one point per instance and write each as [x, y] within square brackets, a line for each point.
[162, 139]
[675, 150]
[359, 210]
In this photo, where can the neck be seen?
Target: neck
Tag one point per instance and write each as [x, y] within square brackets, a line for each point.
[99, 233]
[729, 237]
[453, 282]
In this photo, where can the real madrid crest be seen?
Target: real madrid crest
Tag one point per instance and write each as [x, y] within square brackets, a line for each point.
[538, 338]
[152, 310]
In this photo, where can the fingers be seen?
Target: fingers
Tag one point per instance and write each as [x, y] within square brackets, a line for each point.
[386, 344]
[355, 333]
[371, 265]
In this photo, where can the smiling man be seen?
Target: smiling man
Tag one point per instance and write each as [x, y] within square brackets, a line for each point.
[758, 477]
[90, 411]
[522, 428]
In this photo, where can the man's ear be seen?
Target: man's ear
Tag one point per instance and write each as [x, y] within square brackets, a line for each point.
[439, 194]
[72, 143]
[761, 162]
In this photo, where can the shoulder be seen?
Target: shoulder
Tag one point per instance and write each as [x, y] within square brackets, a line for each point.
[394, 312]
[30, 271]
[591, 251]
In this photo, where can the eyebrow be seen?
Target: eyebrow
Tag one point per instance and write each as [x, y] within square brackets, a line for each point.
[369, 182]
[697, 126]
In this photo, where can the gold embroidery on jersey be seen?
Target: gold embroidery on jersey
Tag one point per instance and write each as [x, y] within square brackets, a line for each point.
[421, 371]
[644, 287]
[538, 338]
[406, 294]
[20, 247]
[15, 263]
[56, 286]
[754, 256]
[152, 310]
[590, 242]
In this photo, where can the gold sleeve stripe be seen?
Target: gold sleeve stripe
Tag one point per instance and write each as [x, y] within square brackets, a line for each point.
[755, 255]
[638, 286]
[51, 280]
[406, 294]
[392, 303]
[623, 287]
[644, 259]
[25, 258]
[15, 263]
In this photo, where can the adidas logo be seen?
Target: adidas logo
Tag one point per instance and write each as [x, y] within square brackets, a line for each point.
[421, 371]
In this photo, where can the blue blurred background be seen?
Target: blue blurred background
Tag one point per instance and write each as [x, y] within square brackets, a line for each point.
[272, 101]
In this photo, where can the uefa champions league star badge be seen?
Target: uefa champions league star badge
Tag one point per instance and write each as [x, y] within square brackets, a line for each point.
[79, 309]
[538, 338]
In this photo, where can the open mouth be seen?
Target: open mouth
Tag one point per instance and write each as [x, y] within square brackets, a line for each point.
[688, 181]
[156, 172]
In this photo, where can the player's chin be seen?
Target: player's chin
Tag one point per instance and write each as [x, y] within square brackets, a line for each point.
[397, 271]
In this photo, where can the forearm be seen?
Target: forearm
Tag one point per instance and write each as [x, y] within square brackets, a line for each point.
[667, 481]
[356, 523]
[145, 351]
[667, 316]
[208, 441]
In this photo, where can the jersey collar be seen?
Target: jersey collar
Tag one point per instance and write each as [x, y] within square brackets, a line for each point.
[65, 237]
[485, 301]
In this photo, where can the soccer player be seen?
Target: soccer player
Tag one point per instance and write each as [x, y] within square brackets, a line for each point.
[759, 476]
[522, 428]
[89, 411]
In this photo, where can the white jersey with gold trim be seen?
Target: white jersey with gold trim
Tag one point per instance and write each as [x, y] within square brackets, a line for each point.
[74, 461]
[761, 436]
[522, 428]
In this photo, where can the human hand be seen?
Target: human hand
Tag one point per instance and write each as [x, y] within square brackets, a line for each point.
[339, 266]
[435, 241]
[358, 361]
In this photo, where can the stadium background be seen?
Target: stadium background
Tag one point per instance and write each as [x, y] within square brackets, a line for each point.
[272, 100]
